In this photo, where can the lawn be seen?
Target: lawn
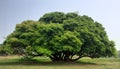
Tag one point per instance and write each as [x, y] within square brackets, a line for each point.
[16, 62]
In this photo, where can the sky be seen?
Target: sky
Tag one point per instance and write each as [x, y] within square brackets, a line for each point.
[107, 12]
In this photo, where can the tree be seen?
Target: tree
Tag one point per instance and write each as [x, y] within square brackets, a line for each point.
[61, 37]
[2, 50]
[118, 52]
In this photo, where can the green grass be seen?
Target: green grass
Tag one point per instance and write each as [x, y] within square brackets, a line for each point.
[15, 62]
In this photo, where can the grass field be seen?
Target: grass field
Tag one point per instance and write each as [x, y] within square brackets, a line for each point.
[15, 62]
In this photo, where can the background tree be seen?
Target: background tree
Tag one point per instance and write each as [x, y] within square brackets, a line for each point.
[118, 52]
[2, 50]
[61, 37]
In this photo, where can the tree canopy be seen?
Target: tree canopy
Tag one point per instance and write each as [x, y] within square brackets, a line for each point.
[61, 37]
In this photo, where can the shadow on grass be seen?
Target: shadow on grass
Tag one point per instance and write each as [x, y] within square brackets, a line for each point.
[43, 63]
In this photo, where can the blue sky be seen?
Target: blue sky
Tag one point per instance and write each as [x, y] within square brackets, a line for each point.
[107, 12]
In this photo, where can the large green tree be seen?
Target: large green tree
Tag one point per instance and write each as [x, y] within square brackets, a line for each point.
[61, 37]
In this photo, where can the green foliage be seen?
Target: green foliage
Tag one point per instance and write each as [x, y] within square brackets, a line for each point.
[43, 51]
[53, 17]
[2, 50]
[61, 37]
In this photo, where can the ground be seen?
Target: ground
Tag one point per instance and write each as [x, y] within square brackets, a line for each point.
[16, 62]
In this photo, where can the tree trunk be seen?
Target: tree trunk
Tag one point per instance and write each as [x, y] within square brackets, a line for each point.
[66, 58]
